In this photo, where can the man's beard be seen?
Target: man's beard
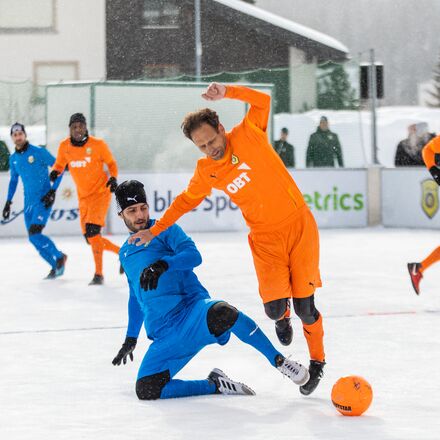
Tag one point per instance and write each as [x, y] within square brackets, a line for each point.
[133, 227]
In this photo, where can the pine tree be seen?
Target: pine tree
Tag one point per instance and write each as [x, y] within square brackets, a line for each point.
[435, 93]
[334, 89]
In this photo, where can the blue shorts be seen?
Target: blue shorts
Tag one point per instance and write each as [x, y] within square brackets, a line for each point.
[36, 214]
[189, 335]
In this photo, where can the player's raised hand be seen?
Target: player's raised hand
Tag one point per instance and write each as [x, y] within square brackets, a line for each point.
[214, 92]
[127, 350]
[141, 237]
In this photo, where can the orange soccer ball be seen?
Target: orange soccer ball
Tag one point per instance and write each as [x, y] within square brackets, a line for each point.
[352, 395]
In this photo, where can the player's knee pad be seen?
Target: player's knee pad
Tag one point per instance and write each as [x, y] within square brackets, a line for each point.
[276, 309]
[221, 317]
[35, 229]
[305, 309]
[150, 387]
[92, 230]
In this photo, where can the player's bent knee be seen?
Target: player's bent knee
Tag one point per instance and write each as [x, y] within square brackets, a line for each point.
[305, 309]
[276, 309]
[35, 229]
[221, 317]
[150, 387]
[92, 230]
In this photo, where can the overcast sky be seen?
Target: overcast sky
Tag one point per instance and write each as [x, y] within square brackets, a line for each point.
[404, 34]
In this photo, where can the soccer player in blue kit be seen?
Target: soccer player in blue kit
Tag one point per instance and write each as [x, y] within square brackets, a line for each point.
[32, 164]
[178, 314]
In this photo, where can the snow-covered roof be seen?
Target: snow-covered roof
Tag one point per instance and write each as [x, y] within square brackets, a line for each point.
[284, 23]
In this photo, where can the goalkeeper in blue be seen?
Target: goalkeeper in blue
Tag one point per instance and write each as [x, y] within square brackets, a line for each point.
[32, 164]
[179, 316]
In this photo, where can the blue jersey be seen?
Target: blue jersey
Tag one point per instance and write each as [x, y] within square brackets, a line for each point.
[32, 166]
[178, 287]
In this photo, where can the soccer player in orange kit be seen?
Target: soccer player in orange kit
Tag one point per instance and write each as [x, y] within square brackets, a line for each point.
[283, 234]
[431, 157]
[86, 155]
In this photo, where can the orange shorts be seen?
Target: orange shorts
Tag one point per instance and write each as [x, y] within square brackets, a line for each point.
[93, 209]
[287, 260]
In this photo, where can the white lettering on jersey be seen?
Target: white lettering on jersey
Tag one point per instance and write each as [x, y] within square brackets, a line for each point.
[78, 163]
[238, 183]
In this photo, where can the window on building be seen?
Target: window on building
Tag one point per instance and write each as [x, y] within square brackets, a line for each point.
[27, 16]
[157, 71]
[53, 72]
[161, 14]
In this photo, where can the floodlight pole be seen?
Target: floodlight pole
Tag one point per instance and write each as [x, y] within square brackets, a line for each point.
[198, 41]
[373, 92]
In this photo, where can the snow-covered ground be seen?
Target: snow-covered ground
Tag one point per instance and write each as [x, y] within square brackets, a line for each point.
[58, 338]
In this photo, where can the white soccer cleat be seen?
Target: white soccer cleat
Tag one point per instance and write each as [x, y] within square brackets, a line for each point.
[296, 372]
[224, 385]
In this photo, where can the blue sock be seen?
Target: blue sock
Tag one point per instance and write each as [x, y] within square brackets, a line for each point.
[46, 248]
[247, 330]
[185, 388]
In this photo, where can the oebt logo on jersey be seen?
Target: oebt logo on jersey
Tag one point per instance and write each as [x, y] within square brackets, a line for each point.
[80, 163]
[240, 181]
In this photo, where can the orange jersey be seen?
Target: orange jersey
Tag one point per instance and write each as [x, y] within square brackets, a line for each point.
[86, 165]
[430, 150]
[251, 173]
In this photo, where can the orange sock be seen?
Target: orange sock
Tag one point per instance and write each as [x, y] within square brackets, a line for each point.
[109, 246]
[314, 334]
[432, 258]
[97, 248]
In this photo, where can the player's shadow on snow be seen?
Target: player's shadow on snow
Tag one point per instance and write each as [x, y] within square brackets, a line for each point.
[263, 416]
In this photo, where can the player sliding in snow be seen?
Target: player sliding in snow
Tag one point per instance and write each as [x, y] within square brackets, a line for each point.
[283, 235]
[32, 164]
[178, 313]
[431, 157]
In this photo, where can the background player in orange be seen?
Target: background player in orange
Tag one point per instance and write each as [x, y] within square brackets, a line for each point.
[283, 234]
[86, 155]
[431, 157]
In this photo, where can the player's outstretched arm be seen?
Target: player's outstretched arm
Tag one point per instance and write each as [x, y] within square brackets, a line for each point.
[214, 92]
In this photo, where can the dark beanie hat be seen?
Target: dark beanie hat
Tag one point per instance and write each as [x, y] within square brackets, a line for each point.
[130, 193]
[77, 117]
[17, 127]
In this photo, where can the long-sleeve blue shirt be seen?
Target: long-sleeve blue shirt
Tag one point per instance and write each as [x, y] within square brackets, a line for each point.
[178, 287]
[32, 166]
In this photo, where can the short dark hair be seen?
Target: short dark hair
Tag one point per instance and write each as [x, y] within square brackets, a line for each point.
[284, 130]
[194, 120]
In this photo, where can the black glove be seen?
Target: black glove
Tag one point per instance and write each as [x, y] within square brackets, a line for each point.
[112, 183]
[7, 210]
[53, 175]
[151, 274]
[127, 350]
[49, 198]
[435, 173]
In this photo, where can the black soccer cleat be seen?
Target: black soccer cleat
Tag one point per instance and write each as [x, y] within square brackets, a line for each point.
[316, 371]
[284, 331]
[58, 270]
[97, 280]
[225, 385]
